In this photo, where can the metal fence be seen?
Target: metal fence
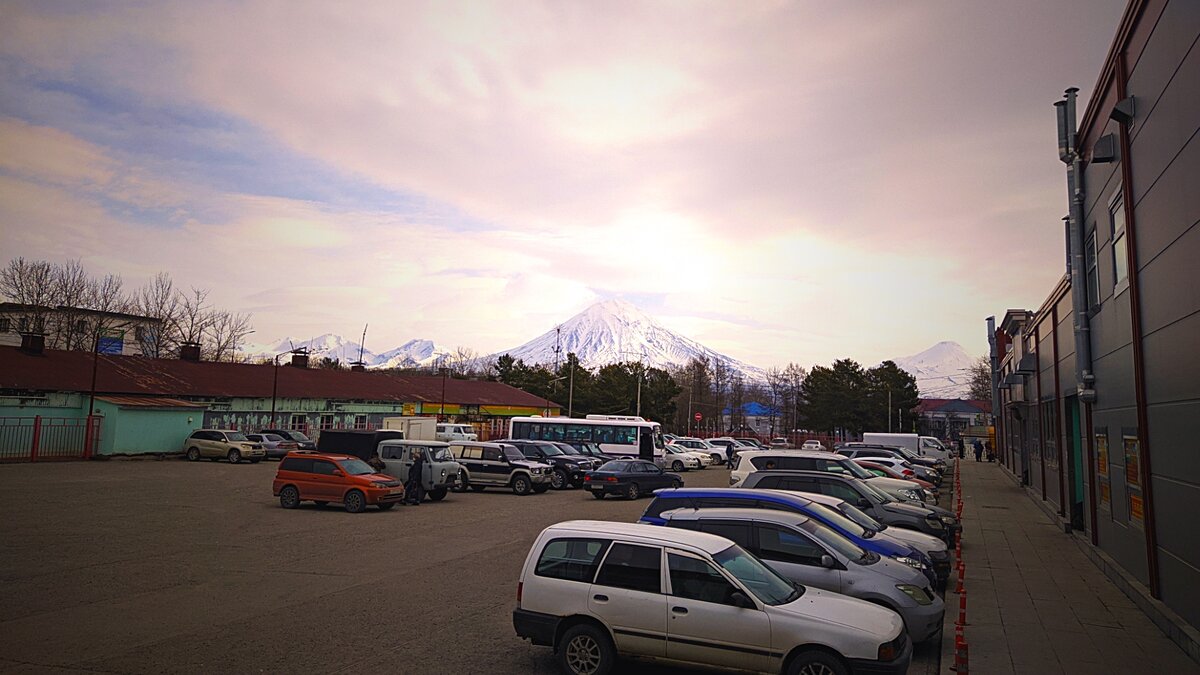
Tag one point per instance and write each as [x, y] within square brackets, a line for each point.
[41, 439]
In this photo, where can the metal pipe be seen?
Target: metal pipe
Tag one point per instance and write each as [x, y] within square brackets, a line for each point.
[1070, 155]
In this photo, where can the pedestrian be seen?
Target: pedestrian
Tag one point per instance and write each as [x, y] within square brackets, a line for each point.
[962, 449]
[987, 445]
[978, 450]
[414, 489]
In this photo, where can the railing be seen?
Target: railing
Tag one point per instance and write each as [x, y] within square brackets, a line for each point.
[40, 439]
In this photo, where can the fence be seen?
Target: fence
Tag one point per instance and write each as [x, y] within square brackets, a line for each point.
[41, 439]
[794, 439]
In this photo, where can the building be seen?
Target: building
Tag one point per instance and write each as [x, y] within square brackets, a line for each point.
[1098, 389]
[753, 418]
[951, 418]
[151, 405]
[64, 327]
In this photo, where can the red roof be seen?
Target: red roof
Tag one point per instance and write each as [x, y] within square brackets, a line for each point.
[136, 375]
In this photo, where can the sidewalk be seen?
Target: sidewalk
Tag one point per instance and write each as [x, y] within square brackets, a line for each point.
[1035, 602]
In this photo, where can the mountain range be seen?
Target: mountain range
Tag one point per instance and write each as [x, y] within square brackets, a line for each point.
[612, 331]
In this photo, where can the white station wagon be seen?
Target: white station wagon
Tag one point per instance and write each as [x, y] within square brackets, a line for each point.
[596, 590]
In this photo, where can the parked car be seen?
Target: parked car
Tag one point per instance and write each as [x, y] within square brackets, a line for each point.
[703, 456]
[885, 471]
[713, 448]
[859, 493]
[302, 442]
[751, 442]
[325, 478]
[812, 445]
[706, 498]
[572, 451]
[441, 469]
[806, 551]
[780, 443]
[893, 457]
[923, 460]
[275, 446]
[630, 478]
[590, 449]
[679, 458]
[447, 432]
[568, 469]
[487, 465]
[213, 444]
[595, 591]
[806, 460]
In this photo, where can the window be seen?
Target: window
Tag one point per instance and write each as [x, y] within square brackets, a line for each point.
[1131, 447]
[1089, 266]
[799, 484]
[472, 453]
[696, 579]
[323, 467]
[636, 568]
[5, 325]
[787, 546]
[1050, 432]
[301, 464]
[492, 454]
[326, 422]
[1120, 251]
[521, 429]
[571, 559]
[737, 532]
[840, 490]
[578, 432]
[770, 483]
[299, 422]
[1102, 477]
[624, 435]
[360, 421]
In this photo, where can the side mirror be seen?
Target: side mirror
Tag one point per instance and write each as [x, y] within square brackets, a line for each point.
[863, 503]
[739, 599]
[338, 472]
[827, 561]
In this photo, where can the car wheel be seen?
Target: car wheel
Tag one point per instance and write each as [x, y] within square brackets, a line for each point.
[677, 465]
[633, 491]
[817, 663]
[289, 497]
[437, 494]
[463, 482]
[520, 485]
[716, 460]
[193, 454]
[387, 506]
[355, 502]
[234, 456]
[676, 483]
[598, 495]
[558, 480]
[586, 650]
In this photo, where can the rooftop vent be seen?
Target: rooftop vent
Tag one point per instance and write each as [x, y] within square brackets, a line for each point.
[300, 359]
[189, 351]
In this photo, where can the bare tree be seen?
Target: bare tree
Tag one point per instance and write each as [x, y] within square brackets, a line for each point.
[158, 300]
[194, 315]
[464, 362]
[225, 332]
[980, 385]
[71, 288]
[31, 283]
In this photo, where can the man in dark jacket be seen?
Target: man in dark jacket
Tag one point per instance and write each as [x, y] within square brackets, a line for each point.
[978, 450]
[414, 489]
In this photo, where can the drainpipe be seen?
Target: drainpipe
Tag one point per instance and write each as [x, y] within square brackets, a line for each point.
[995, 363]
[1068, 153]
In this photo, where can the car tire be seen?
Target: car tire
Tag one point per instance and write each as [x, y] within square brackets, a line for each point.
[814, 662]
[289, 497]
[463, 482]
[521, 486]
[633, 491]
[193, 454]
[676, 483]
[677, 465]
[598, 495]
[355, 501]
[586, 650]
[558, 480]
[716, 460]
[387, 506]
[234, 456]
[437, 494]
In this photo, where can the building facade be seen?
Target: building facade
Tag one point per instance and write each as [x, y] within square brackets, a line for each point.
[952, 418]
[65, 327]
[1098, 389]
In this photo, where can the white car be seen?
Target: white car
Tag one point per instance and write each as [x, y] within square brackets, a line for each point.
[456, 432]
[812, 445]
[715, 452]
[706, 460]
[678, 458]
[595, 591]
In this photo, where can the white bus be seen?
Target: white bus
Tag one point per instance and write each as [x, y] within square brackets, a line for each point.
[615, 434]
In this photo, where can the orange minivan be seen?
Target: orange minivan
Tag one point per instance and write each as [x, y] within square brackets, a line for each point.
[324, 478]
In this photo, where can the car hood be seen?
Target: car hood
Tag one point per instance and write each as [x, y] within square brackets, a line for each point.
[845, 611]
[529, 464]
[380, 478]
[918, 540]
[904, 509]
[901, 573]
[893, 483]
[939, 511]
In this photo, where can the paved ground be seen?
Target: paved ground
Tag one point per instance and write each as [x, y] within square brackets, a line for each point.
[1035, 602]
[168, 566]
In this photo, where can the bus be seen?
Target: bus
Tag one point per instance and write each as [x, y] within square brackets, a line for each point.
[616, 435]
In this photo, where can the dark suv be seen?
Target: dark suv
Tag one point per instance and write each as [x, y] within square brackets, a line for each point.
[499, 465]
[568, 469]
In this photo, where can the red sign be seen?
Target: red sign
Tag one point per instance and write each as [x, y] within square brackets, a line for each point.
[698, 416]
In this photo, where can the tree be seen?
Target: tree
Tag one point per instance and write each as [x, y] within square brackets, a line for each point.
[329, 363]
[834, 399]
[158, 300]
[891, 398]
[225, 332]
[980, 386]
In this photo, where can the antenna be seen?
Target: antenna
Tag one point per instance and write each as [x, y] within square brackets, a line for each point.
[361, 347]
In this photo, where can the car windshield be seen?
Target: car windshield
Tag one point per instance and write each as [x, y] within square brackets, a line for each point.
[906, 453]
[762, 581]
[854, 513]
[439, 454]
[356, 467]
[298, 437]
[834, 540]
[855, 470]
[236, 436]
[569, 450]
[834, 518]
[878, 494]
[512, 453]
[550, 450]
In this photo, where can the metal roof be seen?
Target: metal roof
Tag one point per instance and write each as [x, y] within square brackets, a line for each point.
[148, 402]
[57, 370]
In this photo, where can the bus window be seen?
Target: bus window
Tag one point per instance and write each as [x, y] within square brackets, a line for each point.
[625, 435]
[603, 434]
[521, 429]
[578, 432]
[552, 432]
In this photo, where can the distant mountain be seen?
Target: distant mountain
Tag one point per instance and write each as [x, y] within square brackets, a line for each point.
[942, 371]
[613, 331]
[411, 354]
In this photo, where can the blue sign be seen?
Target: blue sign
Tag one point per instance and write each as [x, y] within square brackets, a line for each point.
[110, 345]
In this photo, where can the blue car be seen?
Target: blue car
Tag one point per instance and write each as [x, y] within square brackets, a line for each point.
[698, 498]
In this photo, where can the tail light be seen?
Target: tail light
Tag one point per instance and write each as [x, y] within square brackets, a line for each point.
[587, 478]
[520, 587]
[908, 472]
[611, 479]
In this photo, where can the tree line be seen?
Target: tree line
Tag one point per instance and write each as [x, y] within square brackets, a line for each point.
[74, 309]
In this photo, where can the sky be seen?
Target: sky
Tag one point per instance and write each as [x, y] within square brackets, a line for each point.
[781, 181]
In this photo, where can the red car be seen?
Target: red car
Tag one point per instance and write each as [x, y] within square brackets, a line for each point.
[892, 472]
[325, 478]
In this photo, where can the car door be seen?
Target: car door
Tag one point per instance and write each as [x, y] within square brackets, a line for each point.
[704, 626]
[325, 486]
[627, 596]
[656, 477]
[396, 460]
[846, 492]
[493, 467]
[211, 445]
[795, 555]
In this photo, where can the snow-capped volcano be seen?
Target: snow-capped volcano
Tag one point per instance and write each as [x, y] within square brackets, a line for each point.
[613, 331]
[942, 371]
[411, 354]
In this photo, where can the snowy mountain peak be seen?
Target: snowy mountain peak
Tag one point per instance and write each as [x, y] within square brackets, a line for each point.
[942, 371]
[412, 354]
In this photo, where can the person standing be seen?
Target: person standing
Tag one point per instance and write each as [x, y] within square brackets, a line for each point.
[414, 490]
[987, 446]
[978, 447]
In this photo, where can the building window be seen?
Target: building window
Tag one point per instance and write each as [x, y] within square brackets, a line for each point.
[1089, 264]
[326, 422]
[5, 324]
[1120, 251]
[360, 421]
[1050, 432]
[299, 422]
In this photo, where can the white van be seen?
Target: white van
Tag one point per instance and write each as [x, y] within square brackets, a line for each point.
[456, 432]
[597, 590]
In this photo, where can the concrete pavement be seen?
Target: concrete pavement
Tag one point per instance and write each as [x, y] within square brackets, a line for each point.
[1035, 602]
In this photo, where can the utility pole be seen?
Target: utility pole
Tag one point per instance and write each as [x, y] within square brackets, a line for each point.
[889, 410]
[571, 390]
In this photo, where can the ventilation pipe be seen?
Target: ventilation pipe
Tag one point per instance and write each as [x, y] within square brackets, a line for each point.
[1068, 152]
[995, 362]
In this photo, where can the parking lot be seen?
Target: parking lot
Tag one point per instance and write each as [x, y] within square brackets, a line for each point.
[168, 566]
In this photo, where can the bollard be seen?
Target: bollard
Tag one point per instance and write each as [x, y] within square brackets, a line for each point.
[962, 609]
[960, 657]
[962, 572]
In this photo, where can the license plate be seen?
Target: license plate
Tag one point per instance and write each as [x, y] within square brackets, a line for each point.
[598, 488]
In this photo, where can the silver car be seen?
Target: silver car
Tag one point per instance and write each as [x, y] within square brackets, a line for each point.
[807, 552]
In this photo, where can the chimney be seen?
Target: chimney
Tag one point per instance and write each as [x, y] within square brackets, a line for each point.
[189, 351]
[299, 359]
[357, 367]
[33, 343]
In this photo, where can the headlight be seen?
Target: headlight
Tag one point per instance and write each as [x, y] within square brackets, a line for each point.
[911, 494]
[443, 473]
[916, 593]
[934, 523]
[911, 562]
[949, 520]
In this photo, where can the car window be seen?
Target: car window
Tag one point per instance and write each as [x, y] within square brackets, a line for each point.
[736, 531]
[661, 504]
[301, 464]
[770, 483]
[614, 467]
[254, 437]
[721, 503]
[235, 436]
[697, 579]
[322, 467]
[637, 568]
[830, 466]
[393, 451]
[840, 490]
[784, 545]
[272, 437]
[571, 559]
[492, 454]
[799, 484]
